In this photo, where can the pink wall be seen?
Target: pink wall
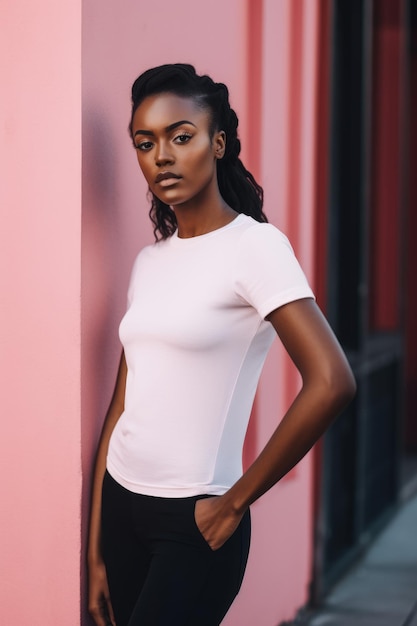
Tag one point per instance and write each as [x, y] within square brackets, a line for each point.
[40, 164]
[265, 52]
[277, 114]
[117, 46]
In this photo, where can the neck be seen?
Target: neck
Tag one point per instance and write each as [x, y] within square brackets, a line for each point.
[199, 218]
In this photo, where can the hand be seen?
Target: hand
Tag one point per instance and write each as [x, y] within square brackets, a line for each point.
[216, 520]
[99, 604]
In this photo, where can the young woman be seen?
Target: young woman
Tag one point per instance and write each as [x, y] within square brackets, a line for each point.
[170, 527]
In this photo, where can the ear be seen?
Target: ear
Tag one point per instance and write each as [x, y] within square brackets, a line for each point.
[219, 144]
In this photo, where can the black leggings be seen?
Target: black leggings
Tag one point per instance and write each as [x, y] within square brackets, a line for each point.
[160, 569]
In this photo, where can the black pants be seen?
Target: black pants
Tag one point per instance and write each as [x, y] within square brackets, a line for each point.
[160, 569]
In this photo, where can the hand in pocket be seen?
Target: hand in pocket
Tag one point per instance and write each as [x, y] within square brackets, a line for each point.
[215, 521]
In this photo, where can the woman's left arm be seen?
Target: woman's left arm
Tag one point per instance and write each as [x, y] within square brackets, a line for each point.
[328, 386]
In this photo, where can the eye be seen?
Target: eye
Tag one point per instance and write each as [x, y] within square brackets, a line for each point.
[144, 145]
[182, 138]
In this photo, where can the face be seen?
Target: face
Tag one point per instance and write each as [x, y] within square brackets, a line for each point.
[174, 149]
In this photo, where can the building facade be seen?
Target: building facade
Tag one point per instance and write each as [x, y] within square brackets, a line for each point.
[365, 269]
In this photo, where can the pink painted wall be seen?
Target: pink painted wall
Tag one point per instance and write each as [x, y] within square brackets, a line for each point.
[117, 46]
[47, 261]
[40, 203]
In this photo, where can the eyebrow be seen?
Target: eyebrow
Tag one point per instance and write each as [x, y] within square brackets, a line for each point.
[166, 129]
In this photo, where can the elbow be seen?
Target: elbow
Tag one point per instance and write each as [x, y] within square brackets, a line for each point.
[335, 388]
[342, 388]
[348, 391]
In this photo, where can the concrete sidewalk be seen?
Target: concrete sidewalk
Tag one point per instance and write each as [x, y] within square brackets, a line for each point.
[381, 590]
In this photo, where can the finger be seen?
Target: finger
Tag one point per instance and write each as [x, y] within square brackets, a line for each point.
[96, 613]
[112, 621]
[106, 610]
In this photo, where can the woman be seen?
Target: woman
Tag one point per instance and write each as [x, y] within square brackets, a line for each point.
[170, 527]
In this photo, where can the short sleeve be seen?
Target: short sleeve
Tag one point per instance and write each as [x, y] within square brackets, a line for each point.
[267, 272]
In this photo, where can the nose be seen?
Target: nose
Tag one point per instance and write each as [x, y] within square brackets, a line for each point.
[163, 155]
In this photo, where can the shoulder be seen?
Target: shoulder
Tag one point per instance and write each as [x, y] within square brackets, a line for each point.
[144, 258]
[267, 273]
[151, 251]
[258, 236]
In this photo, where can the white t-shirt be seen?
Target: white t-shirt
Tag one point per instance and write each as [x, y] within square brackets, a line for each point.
[195, 341]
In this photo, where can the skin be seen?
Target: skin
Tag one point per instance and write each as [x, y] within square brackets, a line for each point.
[99, 604]
[187, 151]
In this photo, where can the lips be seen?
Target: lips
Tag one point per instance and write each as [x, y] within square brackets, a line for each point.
[166, 176]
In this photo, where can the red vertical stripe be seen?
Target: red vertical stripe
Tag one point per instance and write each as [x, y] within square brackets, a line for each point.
[254, 84]
[294, 121]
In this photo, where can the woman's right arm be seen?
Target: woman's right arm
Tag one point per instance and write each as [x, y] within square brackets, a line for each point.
[99, 601]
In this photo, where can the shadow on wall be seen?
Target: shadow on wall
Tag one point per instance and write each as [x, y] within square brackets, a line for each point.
[99, 173]
[101, 245]
[102, 300]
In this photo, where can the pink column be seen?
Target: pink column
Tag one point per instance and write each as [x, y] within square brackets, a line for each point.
[40, 163]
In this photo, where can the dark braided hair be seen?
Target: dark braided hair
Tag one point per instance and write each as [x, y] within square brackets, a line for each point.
[237, 185]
